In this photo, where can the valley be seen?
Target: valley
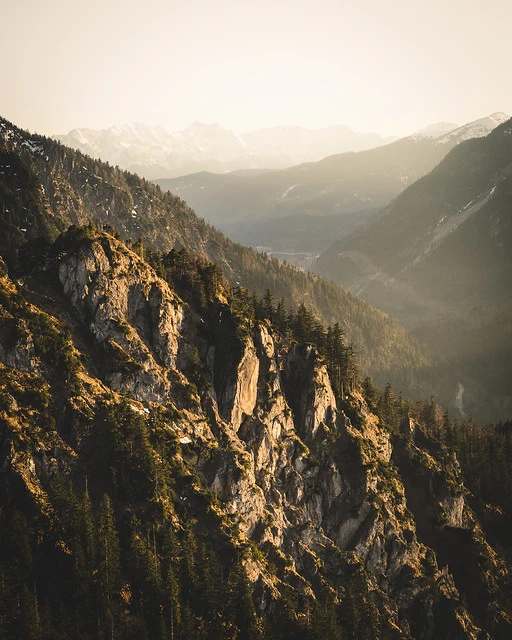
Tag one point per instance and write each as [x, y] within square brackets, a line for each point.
[308, 206]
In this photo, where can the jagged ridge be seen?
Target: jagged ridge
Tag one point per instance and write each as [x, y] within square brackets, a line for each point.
[263, 456]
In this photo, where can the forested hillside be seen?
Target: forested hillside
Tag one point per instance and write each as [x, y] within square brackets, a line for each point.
[181, 459]
[45, 187]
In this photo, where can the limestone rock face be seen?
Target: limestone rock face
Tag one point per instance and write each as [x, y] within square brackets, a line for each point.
[235, 367]
[300, 494]
[319, 491]
[128, 307]
[241, 395]
[121, 290]
[309, 392]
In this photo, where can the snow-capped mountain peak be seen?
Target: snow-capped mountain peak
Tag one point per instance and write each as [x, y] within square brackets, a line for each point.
[476, 129]
[156, 152]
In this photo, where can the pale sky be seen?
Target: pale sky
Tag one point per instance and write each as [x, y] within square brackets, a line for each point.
[390, 66]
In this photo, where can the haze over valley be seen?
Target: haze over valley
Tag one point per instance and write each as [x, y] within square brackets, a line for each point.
[298, 210]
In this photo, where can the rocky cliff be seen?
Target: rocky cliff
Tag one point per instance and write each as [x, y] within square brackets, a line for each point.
[195, 417]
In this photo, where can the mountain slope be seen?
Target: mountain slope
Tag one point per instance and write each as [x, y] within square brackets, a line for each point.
[70, 188]
[336, 186]
[185, 470]
[438, 258]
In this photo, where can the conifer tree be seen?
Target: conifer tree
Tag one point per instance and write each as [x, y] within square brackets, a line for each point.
[241, 602]
[108, 574]
[280, 317]
[268, 306]
[370, 394]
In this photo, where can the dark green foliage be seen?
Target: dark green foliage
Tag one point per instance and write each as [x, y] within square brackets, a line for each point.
[485, 455]
[387, 409]
[113, 574]
[195, 279]
[27, 224]
[52, 342]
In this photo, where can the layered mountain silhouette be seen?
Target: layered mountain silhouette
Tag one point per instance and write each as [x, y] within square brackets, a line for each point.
[181, 457]
[438, 258]
[332, 196]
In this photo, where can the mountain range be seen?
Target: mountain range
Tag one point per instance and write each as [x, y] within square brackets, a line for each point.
[438, 259]
[154, 152]
[302, 209]
[174, 466]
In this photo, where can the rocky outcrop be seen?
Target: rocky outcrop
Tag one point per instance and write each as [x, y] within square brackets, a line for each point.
[239, 398]
[315, 485]
[316, 494]
[127, 307]
[309, 392]
[16, 344]
[234, 367]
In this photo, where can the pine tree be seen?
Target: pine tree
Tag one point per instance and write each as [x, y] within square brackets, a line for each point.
[303, 325]
[268, 306]
[370, 394]
[241, 605]
[387, 410]
[280, 318]
[108, 573]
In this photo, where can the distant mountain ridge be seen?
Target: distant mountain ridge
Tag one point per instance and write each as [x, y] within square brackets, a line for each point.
[437, 129]
[439, 259]
[247, 206]
[476, 129]
[154, 152]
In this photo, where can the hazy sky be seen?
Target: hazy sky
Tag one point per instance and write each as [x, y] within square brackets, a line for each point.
[390, 66]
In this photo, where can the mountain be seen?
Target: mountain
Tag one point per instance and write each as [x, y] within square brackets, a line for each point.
[45, 187]
[437, 129]
[154, 152]
[297, 144]
[248, 206]
[438, 258]
[175, 465]
[476, 129]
